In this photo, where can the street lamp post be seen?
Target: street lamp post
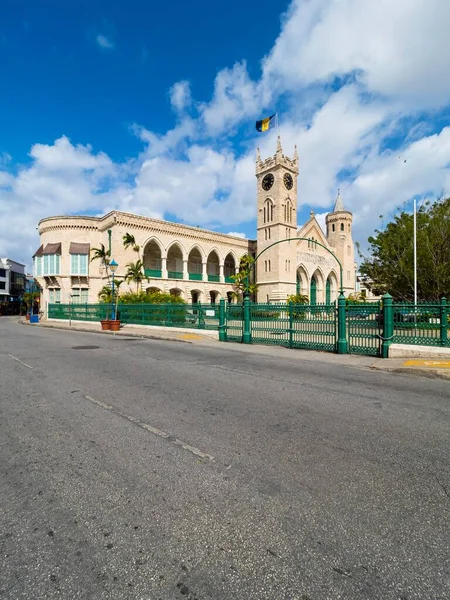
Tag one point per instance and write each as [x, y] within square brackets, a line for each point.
[113, 266]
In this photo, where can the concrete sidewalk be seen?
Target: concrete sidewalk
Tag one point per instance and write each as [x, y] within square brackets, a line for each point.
[426, 367]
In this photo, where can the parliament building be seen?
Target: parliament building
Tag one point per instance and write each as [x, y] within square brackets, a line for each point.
[198, 264]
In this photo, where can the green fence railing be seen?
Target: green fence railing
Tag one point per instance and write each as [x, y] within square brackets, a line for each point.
[364, 328]
[424, 324]
[197, 316]
[357, 328]
[294, 326]
[79, 312]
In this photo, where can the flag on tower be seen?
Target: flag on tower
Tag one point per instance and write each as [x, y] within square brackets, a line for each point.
[265, 124]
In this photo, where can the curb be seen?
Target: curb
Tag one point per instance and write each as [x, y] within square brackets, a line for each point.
[134, 335]
[428, 373]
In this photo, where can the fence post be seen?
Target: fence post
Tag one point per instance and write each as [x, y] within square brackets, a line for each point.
[291, 325]
[167, 315]
[444, 323]
[222, 331]
[342, 326]
[201, 317]
[388, 325]
[246, 333]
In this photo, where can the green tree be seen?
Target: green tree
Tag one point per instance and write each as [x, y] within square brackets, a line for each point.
[29, 299]
[129, 240]
[135, 273]
[243, 281]
[150, 298]
[103, 255]
[390, 265]
[105, 294]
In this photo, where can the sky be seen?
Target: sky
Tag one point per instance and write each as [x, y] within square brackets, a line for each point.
[150, 108]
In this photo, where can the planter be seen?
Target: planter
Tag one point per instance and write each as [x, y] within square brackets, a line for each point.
[27, 316]
[106, 325]
[115, 325]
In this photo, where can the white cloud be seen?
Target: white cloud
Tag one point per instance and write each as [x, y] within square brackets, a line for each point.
[180, 96]
[104, 42]
[397, 49]
[237, 234]
[386, 182]
[390, 59]
[235, 97]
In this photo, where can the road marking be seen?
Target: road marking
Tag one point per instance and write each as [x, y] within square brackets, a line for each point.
[191, 336]
[20, 361]
[151, 429]
[436, 364]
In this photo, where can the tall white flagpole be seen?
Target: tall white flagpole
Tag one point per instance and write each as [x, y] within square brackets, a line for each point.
[415, 251]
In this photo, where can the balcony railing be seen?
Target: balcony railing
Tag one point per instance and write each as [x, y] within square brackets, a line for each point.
[175, 274]
[196, 276]
[229, 279]
[153, 272]
[214, 278]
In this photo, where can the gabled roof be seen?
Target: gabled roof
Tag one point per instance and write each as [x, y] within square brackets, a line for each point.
[312, 228]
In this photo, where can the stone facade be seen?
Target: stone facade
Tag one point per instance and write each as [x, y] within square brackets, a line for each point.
[296, 265]
[198, 264]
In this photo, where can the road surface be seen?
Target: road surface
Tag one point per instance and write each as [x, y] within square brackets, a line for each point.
[143, 469]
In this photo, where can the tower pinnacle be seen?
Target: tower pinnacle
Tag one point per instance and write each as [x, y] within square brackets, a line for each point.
[279, 148]
[339, 204]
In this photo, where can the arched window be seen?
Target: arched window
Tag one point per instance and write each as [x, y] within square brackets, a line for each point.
[268, 211]
[333, 228]
[342, 226]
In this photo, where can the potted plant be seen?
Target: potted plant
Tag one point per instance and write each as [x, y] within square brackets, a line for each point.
[106, 324]
[29, 298]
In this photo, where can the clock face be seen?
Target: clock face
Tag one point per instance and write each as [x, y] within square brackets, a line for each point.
[288, 181]
[267, 181]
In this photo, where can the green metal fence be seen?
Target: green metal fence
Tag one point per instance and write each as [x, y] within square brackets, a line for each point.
[424, 324]
[196, 316]
[288, 325]
[295, 326]
[79, 312]
[234, 322]
[364, 328]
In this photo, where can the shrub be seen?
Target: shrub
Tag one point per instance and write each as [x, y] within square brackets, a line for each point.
[298, 300]
[152, 298]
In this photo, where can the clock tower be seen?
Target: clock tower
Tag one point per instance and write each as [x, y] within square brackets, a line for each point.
[276, 269]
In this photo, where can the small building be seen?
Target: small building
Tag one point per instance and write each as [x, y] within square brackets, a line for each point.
[12, 285]
[198, 264]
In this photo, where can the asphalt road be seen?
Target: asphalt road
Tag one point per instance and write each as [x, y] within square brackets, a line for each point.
[144, 469]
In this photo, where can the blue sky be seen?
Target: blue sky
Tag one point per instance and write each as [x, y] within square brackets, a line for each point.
[57, 78]
[150, 108]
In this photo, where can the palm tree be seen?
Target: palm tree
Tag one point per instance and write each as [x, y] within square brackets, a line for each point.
[105, 294]
[135, 273]
[103, 255]
[129, 240]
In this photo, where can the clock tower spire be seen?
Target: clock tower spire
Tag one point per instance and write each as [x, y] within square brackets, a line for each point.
[276, 179]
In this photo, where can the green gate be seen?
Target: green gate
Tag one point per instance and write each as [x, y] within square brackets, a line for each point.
[365, 328]
[290, 325]
[234, 322]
